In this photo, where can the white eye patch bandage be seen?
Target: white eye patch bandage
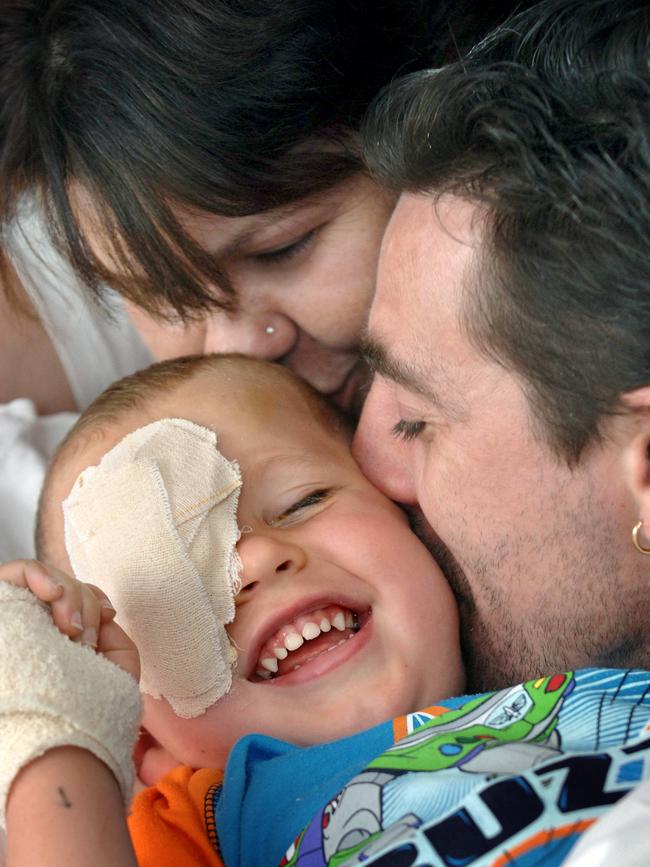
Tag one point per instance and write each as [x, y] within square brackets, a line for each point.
[155, 526]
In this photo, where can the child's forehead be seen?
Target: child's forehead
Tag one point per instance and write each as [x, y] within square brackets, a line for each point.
[248, 383]
[252, 400]
[244, 406]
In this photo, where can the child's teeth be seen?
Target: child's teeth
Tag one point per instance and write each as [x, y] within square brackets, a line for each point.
[269, 664]
[309, 631]
[293, 641]
[337, 617]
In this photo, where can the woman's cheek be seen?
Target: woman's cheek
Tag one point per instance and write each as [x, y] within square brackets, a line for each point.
[165, 340]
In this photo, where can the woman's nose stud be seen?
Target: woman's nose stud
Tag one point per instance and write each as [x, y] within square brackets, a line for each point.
[270, 329]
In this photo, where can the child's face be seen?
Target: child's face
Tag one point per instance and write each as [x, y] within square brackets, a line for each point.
[320, 545]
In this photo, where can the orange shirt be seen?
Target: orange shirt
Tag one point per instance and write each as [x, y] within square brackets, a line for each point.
[172, 823]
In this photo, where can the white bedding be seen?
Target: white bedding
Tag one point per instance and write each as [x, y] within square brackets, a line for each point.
[27, 441]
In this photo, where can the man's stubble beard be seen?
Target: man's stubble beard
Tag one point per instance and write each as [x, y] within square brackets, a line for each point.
[486, 666]
[500, 650]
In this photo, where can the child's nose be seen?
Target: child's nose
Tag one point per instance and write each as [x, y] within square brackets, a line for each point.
[264, 557]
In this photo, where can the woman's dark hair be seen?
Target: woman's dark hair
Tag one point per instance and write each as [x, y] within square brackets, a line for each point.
[152, 104]
[546, 125]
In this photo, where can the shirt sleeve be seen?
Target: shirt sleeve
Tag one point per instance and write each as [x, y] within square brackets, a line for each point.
[172, 823]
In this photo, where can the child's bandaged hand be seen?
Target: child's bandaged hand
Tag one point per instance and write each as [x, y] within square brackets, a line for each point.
[81, 611]
[58, 692]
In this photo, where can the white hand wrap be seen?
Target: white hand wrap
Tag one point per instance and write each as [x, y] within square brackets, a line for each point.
[155, 526]
[54, 692]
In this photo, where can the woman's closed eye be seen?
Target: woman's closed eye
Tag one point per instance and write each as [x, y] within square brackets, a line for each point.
[407, 430]
[297, 508]
[288, 251]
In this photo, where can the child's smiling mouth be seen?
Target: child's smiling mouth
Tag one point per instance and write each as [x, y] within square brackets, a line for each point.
[298, 643]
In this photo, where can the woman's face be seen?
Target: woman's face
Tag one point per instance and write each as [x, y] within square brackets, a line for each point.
[304, 278]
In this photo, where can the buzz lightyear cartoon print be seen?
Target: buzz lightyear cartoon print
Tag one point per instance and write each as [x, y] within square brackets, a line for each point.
[494, 782]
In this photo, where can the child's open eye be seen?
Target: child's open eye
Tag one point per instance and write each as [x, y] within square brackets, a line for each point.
[407, 430]
[311, 499]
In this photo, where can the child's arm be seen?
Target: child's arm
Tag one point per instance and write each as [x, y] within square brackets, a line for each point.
[65, 805]
[66, 808]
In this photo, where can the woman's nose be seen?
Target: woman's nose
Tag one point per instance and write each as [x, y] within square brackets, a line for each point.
[261, 335]
[265, 557]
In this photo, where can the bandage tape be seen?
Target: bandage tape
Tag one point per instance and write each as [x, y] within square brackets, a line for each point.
[154, 524]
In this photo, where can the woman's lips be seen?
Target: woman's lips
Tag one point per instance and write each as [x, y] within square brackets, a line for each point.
[352, 393]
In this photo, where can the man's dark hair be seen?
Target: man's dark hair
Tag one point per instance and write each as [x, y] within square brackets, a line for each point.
[150, 104]
[545, 124]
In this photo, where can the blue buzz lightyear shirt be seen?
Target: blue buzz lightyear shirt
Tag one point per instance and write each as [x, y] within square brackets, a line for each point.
[505, 778]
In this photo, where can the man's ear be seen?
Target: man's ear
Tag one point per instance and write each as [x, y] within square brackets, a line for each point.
[152, 761]
[637, 453]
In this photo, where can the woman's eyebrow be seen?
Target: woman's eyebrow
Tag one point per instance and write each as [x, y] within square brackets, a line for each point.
[241, 239]
[262, 221]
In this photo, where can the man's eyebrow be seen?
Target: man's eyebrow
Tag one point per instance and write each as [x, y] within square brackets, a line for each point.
[380, 361]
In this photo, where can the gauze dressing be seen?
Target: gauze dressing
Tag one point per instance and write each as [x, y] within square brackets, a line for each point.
[154, 524]
[55, 692]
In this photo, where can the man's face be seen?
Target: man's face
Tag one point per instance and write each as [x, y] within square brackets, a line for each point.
[536, 552]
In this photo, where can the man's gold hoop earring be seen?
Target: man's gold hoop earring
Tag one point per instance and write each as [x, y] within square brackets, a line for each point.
[635, 538]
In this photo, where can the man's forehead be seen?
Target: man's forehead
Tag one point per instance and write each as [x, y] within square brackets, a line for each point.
[415, 336]
[412, 273]
[418, 214]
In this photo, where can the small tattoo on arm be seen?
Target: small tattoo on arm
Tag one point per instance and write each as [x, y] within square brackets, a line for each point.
[63, 798]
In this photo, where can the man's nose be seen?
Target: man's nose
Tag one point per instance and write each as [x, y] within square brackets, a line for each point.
[264, 557]
[383, 458]
[259, 334]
